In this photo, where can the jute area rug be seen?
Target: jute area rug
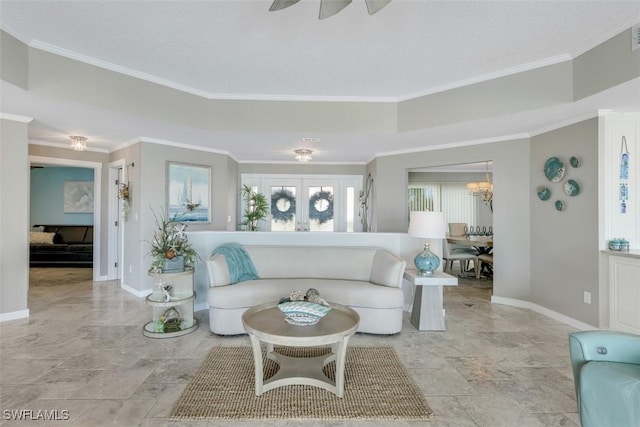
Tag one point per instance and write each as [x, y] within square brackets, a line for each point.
[376, 387]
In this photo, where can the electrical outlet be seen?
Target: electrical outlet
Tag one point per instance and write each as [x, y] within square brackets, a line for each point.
[130, 268]
[587, 297]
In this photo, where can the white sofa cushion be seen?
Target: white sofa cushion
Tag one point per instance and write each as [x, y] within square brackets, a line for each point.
[344, 263]
[352, 293]
[301, 262]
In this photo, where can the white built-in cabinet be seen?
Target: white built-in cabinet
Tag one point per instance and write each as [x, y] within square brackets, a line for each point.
[624, 293]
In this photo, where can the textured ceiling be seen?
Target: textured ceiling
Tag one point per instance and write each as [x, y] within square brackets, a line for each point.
[239, 50]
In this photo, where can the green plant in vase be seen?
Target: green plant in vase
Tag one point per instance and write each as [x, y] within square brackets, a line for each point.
[170, 247]
[257, 208]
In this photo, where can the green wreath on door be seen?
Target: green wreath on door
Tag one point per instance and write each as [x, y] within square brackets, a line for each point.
[285, 196]
[324, 215]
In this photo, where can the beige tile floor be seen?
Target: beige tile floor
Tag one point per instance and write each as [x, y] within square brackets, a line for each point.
[82, 351]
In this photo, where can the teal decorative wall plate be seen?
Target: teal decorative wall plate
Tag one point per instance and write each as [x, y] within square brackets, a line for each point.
[575, 162]
[571, 188]
[543, 192]
[554, 169]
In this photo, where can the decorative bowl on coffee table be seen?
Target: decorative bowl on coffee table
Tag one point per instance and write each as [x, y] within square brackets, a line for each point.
[303, 313]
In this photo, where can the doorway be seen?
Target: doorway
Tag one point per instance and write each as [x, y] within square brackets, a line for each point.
[457, 191]
[97, 185]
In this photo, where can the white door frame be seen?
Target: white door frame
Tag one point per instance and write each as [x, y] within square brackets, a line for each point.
[340, 182]
[97, 197]
[115, 234]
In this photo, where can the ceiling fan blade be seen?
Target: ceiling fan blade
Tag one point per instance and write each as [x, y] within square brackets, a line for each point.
[331, 7]
[374, 6]
[281, 4]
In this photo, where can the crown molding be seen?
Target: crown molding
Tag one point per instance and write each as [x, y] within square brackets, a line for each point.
[66, 146]
[584, 47]
[37, 44]
[56, 50]
[601, 38]
[57, 161]
[564, 123]
[454, 145]
[181, 145]
[489, 76]
[15, 118]
[295, 162]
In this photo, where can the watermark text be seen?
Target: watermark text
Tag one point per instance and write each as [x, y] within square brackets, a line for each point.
[35, 415]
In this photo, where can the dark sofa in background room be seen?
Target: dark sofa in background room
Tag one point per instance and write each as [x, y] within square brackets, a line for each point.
[61, 246]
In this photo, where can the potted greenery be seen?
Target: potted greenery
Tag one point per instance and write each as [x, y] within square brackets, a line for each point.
[256, 208]
[170, 248]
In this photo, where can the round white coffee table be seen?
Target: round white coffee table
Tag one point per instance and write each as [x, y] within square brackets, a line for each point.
[265, 324]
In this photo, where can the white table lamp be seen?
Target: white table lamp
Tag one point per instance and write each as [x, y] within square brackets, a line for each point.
[426, 225]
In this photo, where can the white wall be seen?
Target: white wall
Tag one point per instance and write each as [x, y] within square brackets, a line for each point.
[564, 245]
[511, 215]
[14, 220]
[148, 179]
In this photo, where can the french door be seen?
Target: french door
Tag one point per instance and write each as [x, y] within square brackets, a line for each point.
[326, 203]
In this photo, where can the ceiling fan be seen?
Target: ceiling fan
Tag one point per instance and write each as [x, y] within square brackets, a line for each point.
[331, 7]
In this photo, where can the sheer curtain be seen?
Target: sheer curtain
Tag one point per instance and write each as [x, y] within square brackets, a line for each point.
[424, 197]
[451, 198]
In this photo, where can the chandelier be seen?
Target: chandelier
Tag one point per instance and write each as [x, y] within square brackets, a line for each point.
[303, 154]
[78, 143]
[482, 189]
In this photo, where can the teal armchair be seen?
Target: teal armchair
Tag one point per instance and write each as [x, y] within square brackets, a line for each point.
[606, 371]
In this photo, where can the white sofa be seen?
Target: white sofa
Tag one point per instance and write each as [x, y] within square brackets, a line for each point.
[369, 280]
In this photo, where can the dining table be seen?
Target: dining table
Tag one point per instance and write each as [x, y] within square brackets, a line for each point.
[482, 245]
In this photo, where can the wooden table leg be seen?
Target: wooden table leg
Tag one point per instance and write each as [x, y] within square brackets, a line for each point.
[341, 356]
[257, 362]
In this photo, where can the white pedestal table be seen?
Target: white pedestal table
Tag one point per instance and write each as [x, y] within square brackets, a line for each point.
[428, 304]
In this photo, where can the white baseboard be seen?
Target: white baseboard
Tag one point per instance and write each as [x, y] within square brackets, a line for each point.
[544, 311]
[14, 315]
[140, 294]
[101, 279]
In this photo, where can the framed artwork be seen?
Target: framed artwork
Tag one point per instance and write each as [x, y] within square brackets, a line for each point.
[189, 192]
[78, 197]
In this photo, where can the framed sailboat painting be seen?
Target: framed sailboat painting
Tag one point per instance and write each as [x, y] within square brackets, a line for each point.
[189, 192]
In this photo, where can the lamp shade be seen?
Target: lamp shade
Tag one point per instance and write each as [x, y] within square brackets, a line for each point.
[427, 225]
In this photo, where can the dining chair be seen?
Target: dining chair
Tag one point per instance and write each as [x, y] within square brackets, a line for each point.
[457, 228]
[484, 259]
[463, 258]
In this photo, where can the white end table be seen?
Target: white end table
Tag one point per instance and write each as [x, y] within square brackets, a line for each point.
[428, 307]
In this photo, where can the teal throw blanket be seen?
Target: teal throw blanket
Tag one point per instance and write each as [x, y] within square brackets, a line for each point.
[241, 267]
